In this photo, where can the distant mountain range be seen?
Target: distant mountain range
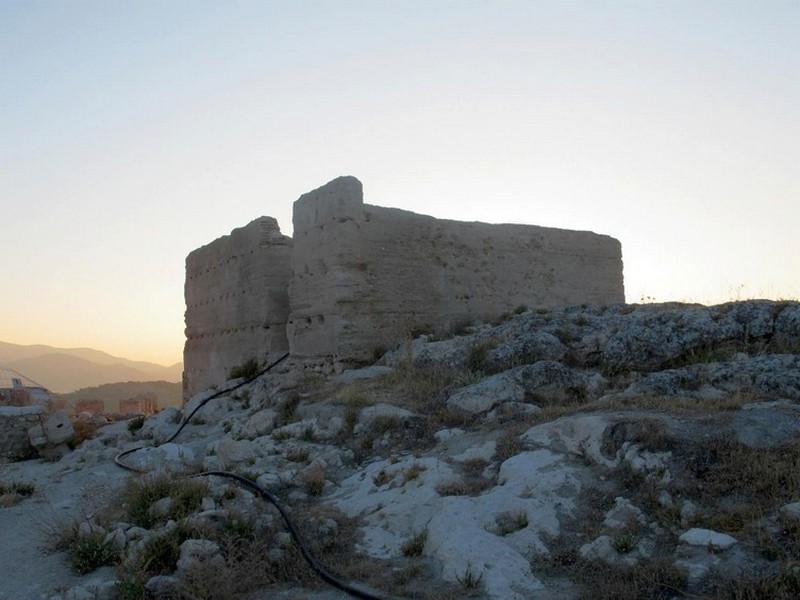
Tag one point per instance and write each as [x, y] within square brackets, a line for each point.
[64, 370]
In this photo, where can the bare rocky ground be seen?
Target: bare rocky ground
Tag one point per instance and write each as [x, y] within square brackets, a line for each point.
[622, 452]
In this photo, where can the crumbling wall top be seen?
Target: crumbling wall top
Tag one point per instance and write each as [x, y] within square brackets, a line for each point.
[339, 200]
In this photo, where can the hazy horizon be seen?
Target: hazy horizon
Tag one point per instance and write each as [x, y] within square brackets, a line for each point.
[137, 132]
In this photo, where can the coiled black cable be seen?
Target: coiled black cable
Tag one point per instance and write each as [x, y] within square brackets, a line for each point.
[264, 494]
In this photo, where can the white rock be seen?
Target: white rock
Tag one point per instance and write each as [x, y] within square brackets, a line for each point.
[196, 553]
[791, 511]
[581, 435]
[707, 538]
[602, 549]
[160, 507]
[88, 528]
[484, 395]
[445, 434]
[116, 539]
[642, 461]
[696, 570]
[231, 452]
[688, 511]
[161, 586]
[483, 452]
[372, 372]
[623, 515]
[260, 423]
[368, 415]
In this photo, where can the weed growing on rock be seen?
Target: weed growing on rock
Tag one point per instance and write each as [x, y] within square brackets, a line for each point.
[298, 455]
[307, 434]
[161, 552]
[247, 370]
[464, 487]
[287, 408]
[624, 542]
[509, 522]
[135, 424]
[17, 487]
[781, 586]
[91, 551]
[141, 493]
[469, 580]
[413, 472]
[477, 354]
[415, 545]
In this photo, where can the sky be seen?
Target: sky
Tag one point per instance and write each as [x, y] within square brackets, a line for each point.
[132, 133]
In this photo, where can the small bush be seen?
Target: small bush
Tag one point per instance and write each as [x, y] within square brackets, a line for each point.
[135, 424]
[140, 494]
[470, 581]
[413, 472]
[314, 487]
[415, 545]
[160, 553]
[90, 552]
[510, 522]
[470, 487]
[247, 370]
[17, 487]
[623, 543]
[298, 455]
[287, 408]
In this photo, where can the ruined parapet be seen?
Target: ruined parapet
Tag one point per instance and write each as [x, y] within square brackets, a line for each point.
[365, 276]
[93, 406]
[15, 421]
[143, 404]
[236, 302]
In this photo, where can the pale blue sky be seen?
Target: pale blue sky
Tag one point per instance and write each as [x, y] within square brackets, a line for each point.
[134, 132]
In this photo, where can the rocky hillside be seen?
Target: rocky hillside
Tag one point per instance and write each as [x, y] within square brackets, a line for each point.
[623, 452]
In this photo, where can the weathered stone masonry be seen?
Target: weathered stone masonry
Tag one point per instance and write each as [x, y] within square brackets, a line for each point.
[236, 302]
[357, 278]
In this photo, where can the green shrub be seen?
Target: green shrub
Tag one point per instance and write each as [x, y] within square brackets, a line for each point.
[90, 552]
[135, 424]
[247, 370]
[140, 494]
[415, 545]
[17, 487]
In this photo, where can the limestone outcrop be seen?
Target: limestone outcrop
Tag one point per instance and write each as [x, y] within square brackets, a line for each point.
[552, 454]
[357, 278]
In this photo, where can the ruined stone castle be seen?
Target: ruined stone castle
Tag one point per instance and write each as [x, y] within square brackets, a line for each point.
[357, 278]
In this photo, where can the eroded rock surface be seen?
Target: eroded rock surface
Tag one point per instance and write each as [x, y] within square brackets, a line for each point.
[498, 464]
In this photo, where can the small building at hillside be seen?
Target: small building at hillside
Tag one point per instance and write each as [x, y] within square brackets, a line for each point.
[18, 390]
[143, 404]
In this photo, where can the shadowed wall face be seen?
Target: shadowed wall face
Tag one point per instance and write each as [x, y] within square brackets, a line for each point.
[236, 303]
[356, 279]
[365, 276]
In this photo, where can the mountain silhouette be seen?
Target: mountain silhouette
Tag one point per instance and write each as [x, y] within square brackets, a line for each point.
[64, 370]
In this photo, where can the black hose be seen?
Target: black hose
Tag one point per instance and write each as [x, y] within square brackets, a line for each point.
[265, 495]
[315, 565]
[118, 457]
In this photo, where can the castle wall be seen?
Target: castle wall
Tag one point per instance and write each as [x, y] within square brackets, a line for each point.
[236, 303]
[358, 278]
[364, 276]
